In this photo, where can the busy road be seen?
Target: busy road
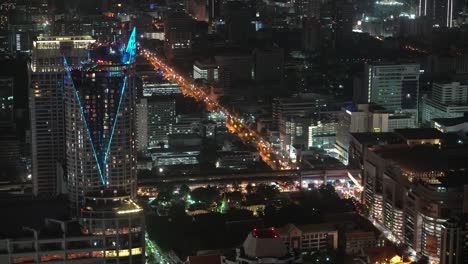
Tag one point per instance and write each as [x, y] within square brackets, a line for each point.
[234, 123]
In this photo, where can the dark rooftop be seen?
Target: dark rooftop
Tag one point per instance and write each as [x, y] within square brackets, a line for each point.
[451, 121]
[378, 138]
[419, 133]
[426, 157]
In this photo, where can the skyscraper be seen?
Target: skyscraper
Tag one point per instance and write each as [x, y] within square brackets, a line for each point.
[392, 86]
[101, 151]
[100, 133]
[46, 96]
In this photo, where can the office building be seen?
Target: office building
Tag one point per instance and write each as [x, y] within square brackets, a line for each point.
[178, 28]
[175, 156]
[100, 104]
[46, 104]
[395, 87]
[368, 118]
[237, 160]
[161, 118]
[322, 134]
[142, 124]
[448, 100]
[302, 105]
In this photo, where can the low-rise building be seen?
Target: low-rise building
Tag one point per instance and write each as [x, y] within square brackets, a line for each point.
[309, 238]
[237, 160]
[262, 246]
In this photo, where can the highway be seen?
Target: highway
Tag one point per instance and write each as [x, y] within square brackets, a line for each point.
[234, 123]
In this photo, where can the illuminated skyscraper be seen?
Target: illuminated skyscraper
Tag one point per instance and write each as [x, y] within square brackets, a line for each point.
[47, 106]
[101, 151]
[99, 110]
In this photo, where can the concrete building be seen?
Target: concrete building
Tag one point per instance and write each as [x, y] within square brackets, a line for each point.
[395, 87]
[178, 29]
[413, 190]
[309, 238]
[207, 70]
[448, 100]
[368, 118]
[60, 241]
[161, 117]
[46, 105]
[237, 160]
[100, 126]
[142, 124]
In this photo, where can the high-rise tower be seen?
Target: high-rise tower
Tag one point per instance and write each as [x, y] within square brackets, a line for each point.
[99, 111]
[101, 150]
[46, 99]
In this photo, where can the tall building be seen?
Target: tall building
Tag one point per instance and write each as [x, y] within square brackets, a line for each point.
[161, 117]
[178, 28]
[100, 130]
[392, 86]
[46, 99]
[142, 124]
[101, 151]
[441, 12]
[448, 100]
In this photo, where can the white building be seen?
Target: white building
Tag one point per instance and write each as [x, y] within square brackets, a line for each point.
[46, 104]
[368, 118]
[395, 87]
[449, 100]
[263, 246]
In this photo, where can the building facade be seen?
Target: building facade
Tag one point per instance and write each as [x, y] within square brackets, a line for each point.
[448, 100]
[46, 99]
[395, 87]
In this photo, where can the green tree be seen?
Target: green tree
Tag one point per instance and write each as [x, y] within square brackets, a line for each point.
[184, 190]
[207, 195]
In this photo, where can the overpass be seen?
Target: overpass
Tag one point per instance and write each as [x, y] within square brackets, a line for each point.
[275, 176]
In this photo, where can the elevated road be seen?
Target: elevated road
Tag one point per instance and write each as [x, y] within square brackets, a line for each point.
[291, 175]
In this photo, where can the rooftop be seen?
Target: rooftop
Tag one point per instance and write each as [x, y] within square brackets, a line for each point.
[261, 243]
[451, 121]
[419, 133]
[422, 158]
[369, 138]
